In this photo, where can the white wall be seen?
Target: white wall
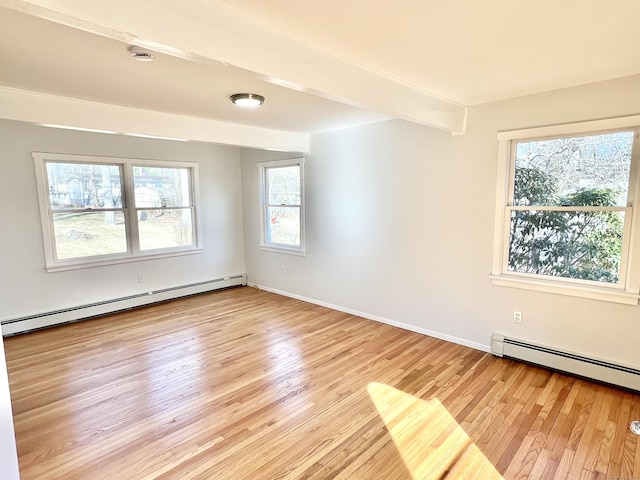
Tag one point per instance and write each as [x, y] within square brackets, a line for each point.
[26, 288]
[400, 225]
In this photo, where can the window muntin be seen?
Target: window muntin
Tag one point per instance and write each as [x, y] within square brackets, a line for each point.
[282, 209]
[87, 219]
[565, 223]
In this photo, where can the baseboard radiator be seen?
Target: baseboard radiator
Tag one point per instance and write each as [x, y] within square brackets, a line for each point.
[582, 366]
[47, 319]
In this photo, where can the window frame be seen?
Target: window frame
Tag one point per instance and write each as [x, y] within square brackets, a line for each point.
[626, 291]
[129, 209]
[264, 205]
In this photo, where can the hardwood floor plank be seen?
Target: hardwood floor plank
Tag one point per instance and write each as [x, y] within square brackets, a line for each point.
[242, 383]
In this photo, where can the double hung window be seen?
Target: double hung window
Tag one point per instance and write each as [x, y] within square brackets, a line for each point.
[97, 210]
[565, 210]
[282, 205]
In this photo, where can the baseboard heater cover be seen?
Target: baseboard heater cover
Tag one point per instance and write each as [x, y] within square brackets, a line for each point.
[47, 319]
[582, 366]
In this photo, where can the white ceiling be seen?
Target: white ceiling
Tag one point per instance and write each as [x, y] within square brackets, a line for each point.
[43, 56]
[321, 65]
[469, 51]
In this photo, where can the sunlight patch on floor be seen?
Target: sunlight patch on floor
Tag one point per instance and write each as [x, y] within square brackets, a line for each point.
[430, 441]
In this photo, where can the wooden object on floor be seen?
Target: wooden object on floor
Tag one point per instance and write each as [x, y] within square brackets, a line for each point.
[245, 384]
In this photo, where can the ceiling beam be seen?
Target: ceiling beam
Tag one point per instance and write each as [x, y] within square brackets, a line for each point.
[63, 112]
[210, 31]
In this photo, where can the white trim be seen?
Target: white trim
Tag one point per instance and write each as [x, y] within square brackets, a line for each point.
[632, 231]
[502, 192]
[626, 292]
[284, 249]
[43, 203]
[590, 127]
[129, 210]
[574, 290]
[377, 318]
[61, 267]
[573, 208]
[262, 192]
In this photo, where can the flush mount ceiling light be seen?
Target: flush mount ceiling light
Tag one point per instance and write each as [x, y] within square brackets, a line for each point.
[247, 99]
[140, 54]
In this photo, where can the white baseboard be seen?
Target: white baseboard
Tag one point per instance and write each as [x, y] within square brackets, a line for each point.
[377, 318]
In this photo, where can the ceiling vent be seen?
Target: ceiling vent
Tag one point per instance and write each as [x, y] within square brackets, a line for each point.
[140, 54]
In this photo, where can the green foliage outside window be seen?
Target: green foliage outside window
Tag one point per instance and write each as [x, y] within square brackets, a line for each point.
[575, 244]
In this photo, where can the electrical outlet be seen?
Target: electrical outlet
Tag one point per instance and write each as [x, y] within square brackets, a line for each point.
[517, 317]
[140, 279]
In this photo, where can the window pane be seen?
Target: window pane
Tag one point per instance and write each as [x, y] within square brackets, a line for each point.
[165, 228]
[283, 226]
[580, 245]
[88, 234]
[587, 170]
[161, 187]
[283, 185]
[82, 185]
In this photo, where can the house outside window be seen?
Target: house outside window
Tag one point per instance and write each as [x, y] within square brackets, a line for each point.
[565, 211]
[282, 206]
[99, 210]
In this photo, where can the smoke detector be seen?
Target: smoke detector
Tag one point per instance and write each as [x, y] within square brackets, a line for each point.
[140, 54]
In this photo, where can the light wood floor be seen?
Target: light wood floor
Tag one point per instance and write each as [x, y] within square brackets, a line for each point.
[246, 384]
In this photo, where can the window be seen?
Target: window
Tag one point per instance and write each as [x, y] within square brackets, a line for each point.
[97, 210]
[282, 206]
[565, 210]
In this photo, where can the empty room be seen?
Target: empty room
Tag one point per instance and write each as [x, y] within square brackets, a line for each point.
[319, 240]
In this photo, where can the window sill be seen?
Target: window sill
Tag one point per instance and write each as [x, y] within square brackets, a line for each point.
[594, 293]
[285, 250]
[60, 267]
